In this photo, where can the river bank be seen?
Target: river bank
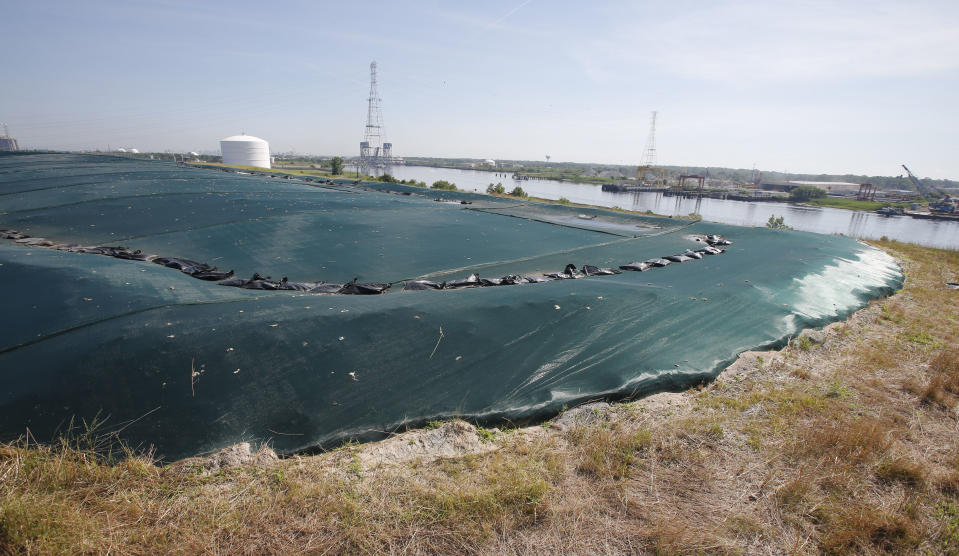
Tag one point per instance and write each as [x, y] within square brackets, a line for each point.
[843, 441]
[823, 220]
[936, 232]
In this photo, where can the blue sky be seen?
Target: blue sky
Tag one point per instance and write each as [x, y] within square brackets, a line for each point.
[830, 87]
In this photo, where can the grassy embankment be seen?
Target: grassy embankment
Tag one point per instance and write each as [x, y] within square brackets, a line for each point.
[845, 441]
[275, 170]
[558, 173]
[570, 175]
[566, 202]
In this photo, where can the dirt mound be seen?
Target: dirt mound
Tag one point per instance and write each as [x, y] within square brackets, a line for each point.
[452, 439]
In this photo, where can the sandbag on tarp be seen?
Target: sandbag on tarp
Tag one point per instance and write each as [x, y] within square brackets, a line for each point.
[692, 254]
[415, 285]
[637, 266]
[326, 288]
[512, 280]
[183, 265]
[590, 270]
[471, 281]
[196, 269]
[508, 280]
[474, 281]
[12, 234]
[131, 255]
[234, 282]
[709, 250]
[677, 258]
[256, 282]
[84, 249]
[35, 242]
[286, 284]
[118, 252]
[568, 273]
[714, 240]
[353, 288]
[212, 274]
[657, 262]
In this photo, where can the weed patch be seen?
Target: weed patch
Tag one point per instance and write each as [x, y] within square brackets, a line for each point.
[607, 452]
[857, 526]
[947, 511]
[902, 470]
[850, 441]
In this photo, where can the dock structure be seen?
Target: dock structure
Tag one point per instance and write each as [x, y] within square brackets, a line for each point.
[631, 188]
[692, 177]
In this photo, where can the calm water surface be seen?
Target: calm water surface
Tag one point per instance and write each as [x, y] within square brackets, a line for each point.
[867, 225]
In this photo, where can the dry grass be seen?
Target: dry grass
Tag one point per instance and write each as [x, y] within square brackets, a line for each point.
[843, 446]
[607, 451]
[905, 470]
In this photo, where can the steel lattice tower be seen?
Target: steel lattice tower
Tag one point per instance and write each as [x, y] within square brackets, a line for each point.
[649, 154]
[648, 165]
[374, 153]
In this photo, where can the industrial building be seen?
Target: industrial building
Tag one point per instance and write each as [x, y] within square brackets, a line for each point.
[245, 150]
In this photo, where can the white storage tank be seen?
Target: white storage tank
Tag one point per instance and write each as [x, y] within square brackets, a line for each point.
[245, 150]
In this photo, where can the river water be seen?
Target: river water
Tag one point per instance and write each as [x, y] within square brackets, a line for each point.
[868, 225]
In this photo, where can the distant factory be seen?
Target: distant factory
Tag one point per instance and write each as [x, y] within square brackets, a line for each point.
[245, 150]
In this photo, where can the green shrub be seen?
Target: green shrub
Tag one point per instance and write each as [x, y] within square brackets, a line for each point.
[497, 189]
[445, 185]
[777, 223]
[806, 192]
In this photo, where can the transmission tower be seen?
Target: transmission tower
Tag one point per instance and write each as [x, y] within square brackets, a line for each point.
[649, 155]
[374, 153]
[7, 143]
[648, 164]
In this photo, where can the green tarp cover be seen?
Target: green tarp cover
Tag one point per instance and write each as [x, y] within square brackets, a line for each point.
[187, 365]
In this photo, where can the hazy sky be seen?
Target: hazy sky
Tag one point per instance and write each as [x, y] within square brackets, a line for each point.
[829, 87]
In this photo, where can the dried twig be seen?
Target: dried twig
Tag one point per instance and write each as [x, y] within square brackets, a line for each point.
[438, 340]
